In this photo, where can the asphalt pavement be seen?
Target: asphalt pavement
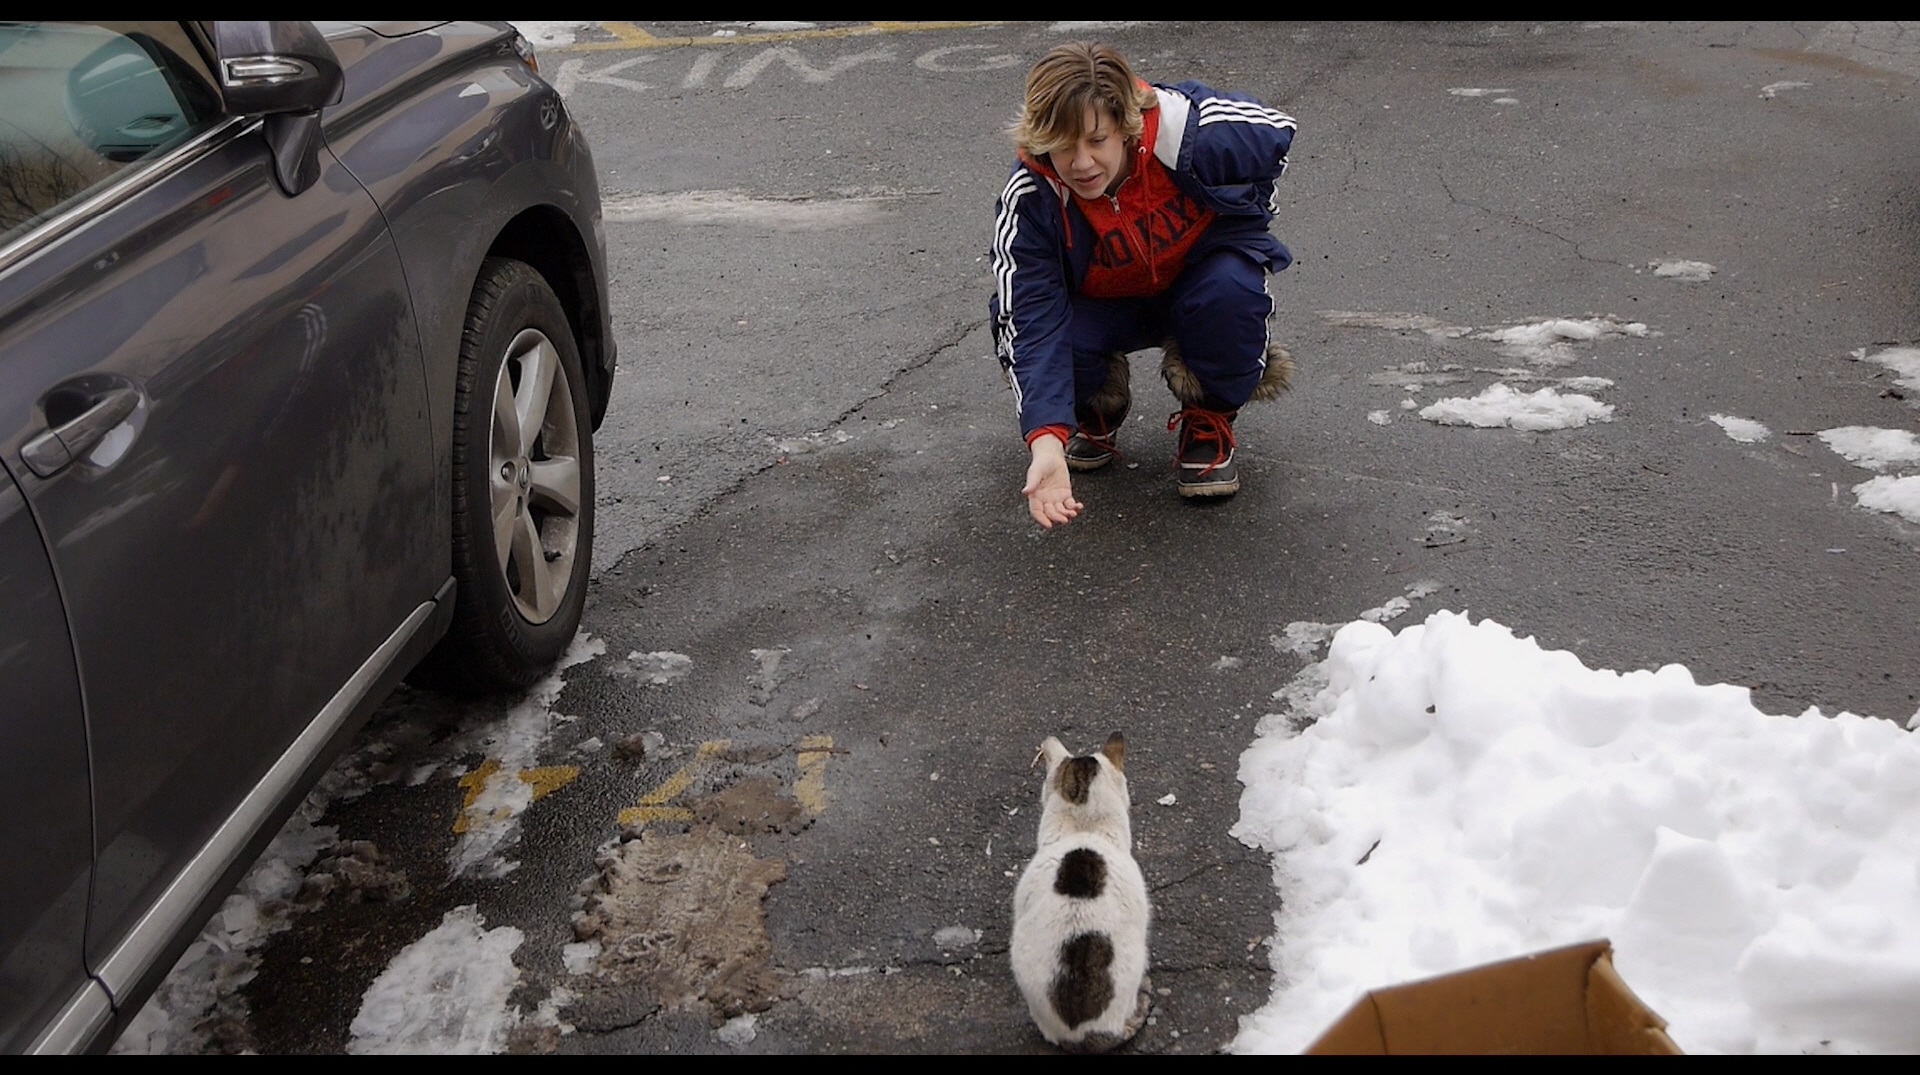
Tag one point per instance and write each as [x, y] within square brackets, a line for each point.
[795, 784]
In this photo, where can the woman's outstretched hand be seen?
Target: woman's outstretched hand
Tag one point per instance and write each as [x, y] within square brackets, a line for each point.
[1049, 489]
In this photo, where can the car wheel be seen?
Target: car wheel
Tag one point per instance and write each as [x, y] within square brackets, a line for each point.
[522, 487]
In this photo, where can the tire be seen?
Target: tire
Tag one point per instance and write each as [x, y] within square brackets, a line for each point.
[522, 458]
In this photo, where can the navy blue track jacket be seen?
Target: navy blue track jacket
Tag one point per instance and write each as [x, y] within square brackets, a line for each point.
[1224, 150]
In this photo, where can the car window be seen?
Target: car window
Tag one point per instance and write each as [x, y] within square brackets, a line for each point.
[80, 103]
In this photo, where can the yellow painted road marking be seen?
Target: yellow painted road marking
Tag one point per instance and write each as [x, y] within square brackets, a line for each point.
[653, 804]
[548, 779]
[475, 783]
[629, 36]
[640, 815]
[545, 781]
[811, 786]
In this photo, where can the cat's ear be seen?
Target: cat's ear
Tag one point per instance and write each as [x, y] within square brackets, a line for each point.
[1116, 751]
[1054, 752]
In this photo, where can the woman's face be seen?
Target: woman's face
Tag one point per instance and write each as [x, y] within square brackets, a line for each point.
[1095, 164]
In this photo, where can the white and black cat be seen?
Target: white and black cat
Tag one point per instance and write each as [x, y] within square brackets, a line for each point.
[1080, 912]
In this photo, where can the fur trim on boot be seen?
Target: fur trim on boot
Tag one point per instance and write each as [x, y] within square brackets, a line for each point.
[1116, 395]
[1186, 387]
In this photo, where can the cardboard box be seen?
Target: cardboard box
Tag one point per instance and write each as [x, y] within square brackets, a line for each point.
[1568, 1001]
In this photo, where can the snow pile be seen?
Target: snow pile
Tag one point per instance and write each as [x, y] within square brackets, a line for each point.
[444, 993]
[1463, 796]
[1498, 405]
[1744, 430]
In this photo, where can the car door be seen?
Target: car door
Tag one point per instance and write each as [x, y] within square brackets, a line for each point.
[44, 811]
[217, 412]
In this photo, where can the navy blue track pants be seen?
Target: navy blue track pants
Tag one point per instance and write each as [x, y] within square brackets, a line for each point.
[1216, 310]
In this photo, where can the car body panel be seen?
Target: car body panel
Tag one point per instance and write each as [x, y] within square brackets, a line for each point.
[278, 471]
[506, 152]
[253, 546]
[43, 786]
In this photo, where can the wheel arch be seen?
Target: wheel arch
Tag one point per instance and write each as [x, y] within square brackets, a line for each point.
[544, 237]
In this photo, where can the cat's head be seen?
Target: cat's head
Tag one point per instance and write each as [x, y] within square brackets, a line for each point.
[1090, 785]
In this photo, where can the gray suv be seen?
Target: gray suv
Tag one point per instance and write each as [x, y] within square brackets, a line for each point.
[303, 340]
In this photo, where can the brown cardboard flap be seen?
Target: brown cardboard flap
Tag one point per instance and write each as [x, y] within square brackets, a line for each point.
[1618, 1023]
[1566, 1001]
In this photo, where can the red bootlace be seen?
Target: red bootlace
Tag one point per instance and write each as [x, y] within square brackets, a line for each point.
[1197, 424]
[1105, 437]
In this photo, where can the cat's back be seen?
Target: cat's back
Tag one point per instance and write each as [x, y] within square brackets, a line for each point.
[1081, 912]
[1089, 877]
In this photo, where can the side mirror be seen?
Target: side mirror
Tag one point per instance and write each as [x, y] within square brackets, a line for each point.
[267, 68]
[286, 72]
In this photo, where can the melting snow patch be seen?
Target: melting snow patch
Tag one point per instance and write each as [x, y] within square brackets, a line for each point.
[1227, 664]
[208, 975]
[1396, 321]
[1380, 418]
[1548, 343]
[739, 1030]
[1752, 870]
[1499, 406]
[1391, 610]
[1744, 430]
[578, 956]
[1899, 496]
[734, 208]
[551, 33]
[660, 667]
[1687, 272]
[1303, 638]
[1474, 91]
[501, 789]
[1545, 343]
[948, 938]
[1903, 361]
[1585, 384]
[444, 993]
[1874, 449]
[1771, 89]
[808, 442]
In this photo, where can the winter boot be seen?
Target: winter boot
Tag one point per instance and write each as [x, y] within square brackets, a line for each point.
[1092, 444]
[1204, 458]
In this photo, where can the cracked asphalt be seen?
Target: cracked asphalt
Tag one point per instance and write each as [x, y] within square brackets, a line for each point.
[809, 487]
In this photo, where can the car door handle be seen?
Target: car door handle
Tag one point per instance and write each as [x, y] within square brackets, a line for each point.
[57, 448]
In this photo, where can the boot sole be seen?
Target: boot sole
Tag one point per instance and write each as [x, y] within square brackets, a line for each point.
[1216, 488]
[1084, 465]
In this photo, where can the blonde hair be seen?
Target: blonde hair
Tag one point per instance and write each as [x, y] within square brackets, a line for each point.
[1064, 83]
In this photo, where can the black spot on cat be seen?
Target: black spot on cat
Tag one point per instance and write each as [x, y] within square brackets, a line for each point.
[1083, 987]
[1076, 778]
[1082, 874]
